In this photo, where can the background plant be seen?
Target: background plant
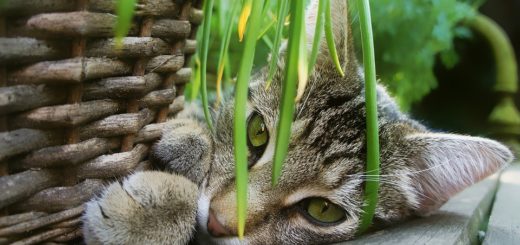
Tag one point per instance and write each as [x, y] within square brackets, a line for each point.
[409, 35]
[408, 38]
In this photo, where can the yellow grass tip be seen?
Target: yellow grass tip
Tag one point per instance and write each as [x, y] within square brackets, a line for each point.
[302, 80]
[242, 21]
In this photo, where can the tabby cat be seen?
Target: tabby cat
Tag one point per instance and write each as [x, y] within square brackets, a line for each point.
[319, 197]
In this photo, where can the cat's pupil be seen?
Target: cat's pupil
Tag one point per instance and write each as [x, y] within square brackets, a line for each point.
[261, 130]
[325, 207]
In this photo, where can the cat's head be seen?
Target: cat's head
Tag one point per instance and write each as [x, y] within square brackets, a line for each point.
[319, 197]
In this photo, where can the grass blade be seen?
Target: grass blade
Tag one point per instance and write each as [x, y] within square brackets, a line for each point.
[266, 28]
[372, 186]
[330, 38]
[296, 30]
[318, 31]
[267, 41]
[302, 67]
[280, 18]
[265, 13]
[206, 26]
[125, 12]
[239, 126]
[244, 16]
[267, 6]
[195, 82]
[224, 50]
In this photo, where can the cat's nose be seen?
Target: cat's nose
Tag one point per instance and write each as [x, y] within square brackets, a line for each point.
[215, 228]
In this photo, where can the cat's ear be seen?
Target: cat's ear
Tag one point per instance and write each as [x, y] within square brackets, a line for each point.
[342, 36]
[445, 164]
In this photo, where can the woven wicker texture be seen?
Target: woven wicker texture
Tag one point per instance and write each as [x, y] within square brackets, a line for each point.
[76, 113]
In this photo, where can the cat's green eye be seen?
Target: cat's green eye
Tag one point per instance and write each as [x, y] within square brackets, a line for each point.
[257, 133]
[323, 211]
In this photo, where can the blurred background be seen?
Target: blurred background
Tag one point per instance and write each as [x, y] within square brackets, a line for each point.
[464, 97]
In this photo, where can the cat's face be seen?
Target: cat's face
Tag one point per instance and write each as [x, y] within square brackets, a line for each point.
[320, 193]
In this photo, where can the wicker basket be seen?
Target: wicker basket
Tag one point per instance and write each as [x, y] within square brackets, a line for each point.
[76, 113]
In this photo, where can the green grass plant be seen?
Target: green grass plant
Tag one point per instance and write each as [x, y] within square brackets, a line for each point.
[372, 165]
[125, 11]
[289, 85]
[239, 124]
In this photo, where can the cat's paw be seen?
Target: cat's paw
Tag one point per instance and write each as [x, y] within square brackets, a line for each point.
[147, 208]
[184, 148]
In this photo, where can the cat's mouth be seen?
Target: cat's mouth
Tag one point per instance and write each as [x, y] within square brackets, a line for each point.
[215, 228]
[210, 229]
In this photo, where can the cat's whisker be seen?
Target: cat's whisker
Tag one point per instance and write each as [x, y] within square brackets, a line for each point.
[420, 194]
[305, 101]
[401, 174]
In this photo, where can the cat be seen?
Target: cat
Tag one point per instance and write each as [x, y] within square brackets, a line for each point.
[319, 196]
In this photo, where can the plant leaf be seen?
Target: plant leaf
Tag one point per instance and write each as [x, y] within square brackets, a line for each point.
[224, 46]
[195, 82]
[330, 38]
[405, 63]
[372, 167]
[296, 27]
[318, 32]
[239, 124]
[302, 67]
[280, 18]
[265, 12]
[266, 28]
[244, 16]
[206, 29]
[125, 12]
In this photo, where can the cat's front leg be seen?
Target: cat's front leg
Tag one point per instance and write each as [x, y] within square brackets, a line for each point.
[146, 208]
[185, 146]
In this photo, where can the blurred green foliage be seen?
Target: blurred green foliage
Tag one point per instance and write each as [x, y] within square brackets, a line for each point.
[408, 35]
[125, 12]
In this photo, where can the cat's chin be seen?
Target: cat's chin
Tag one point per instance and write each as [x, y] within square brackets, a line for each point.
[203, 236]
